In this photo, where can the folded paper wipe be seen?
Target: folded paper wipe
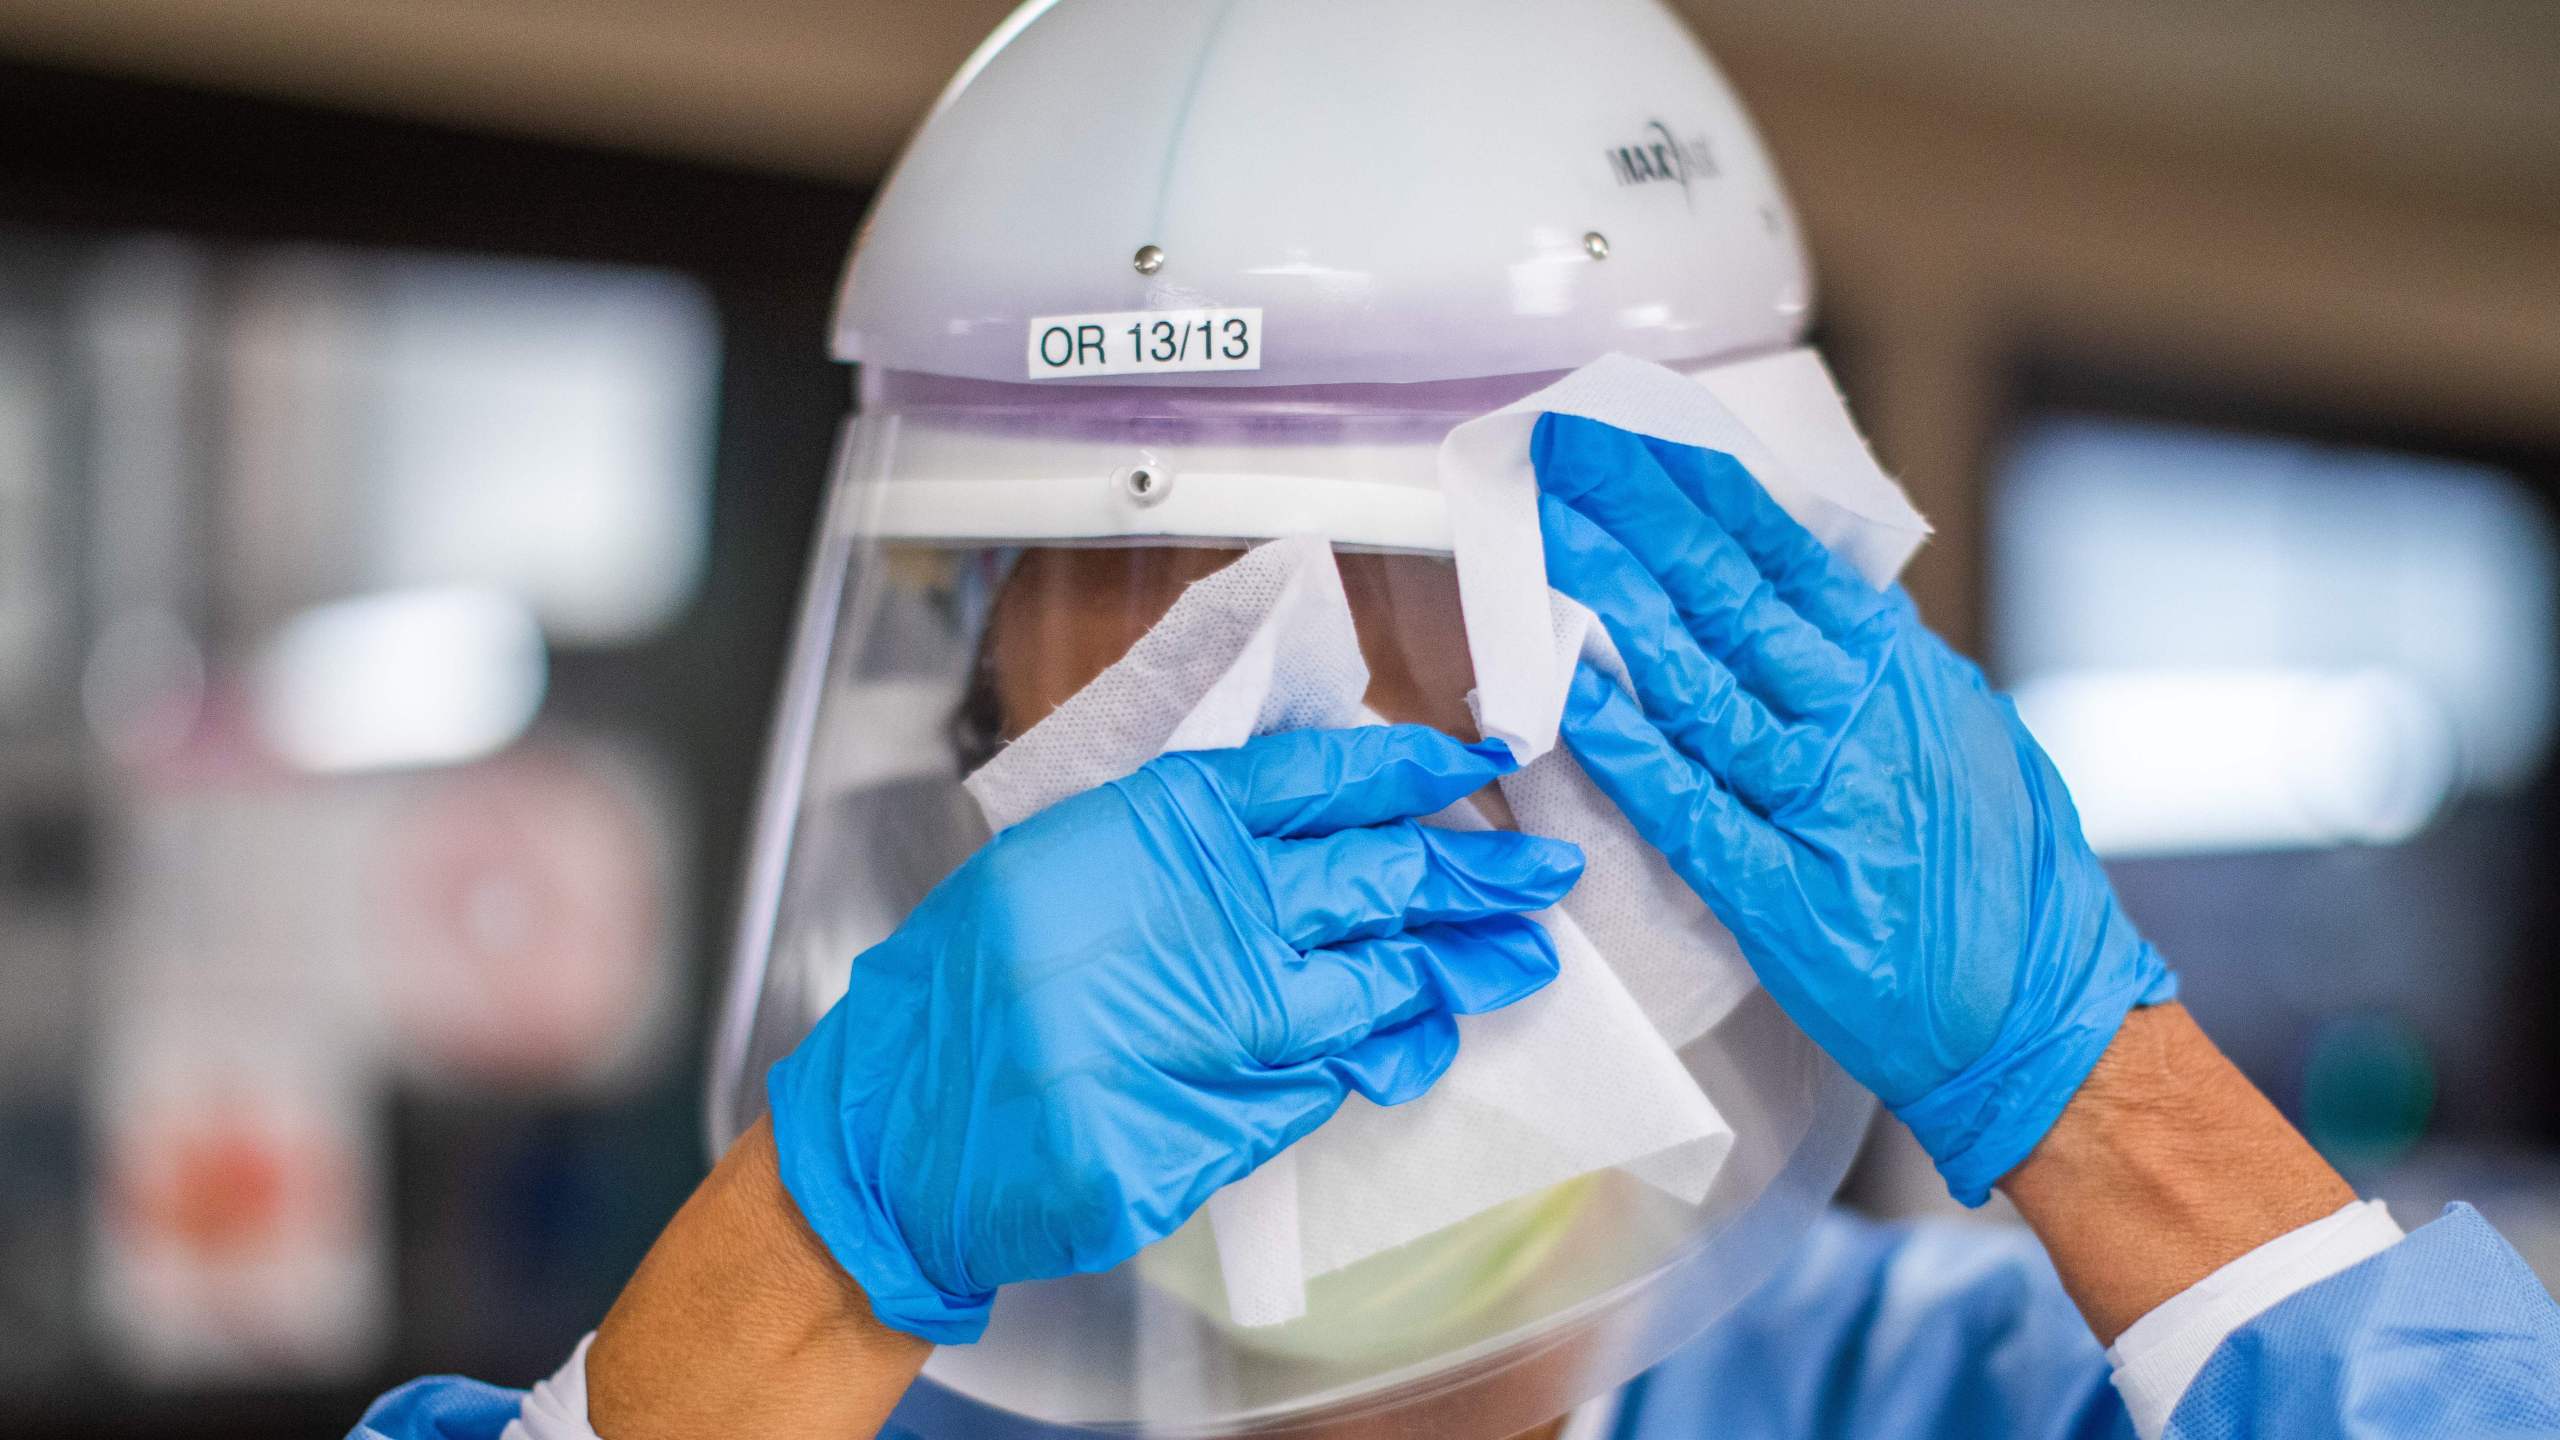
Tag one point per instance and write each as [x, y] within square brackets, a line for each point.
[1801, 446]
[1672, 954]
[1585, 1076]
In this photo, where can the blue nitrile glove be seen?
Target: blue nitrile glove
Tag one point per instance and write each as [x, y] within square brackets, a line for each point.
[1140, 994]
[1895, 854]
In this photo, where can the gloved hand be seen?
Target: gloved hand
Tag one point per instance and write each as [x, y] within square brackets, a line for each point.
[1140, 994]
[1897, 857]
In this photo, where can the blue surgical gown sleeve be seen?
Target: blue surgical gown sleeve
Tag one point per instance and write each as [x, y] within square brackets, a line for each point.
[440, 1407]
[1935, 1330]
[1890, 1332]
[2447, 1333]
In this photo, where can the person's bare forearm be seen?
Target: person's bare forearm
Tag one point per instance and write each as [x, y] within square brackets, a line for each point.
[2167, 1165]
[738, 1322]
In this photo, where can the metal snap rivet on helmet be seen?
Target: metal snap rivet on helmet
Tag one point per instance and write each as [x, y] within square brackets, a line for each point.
[1149, 259]
[1596, 245]
[1146, 484]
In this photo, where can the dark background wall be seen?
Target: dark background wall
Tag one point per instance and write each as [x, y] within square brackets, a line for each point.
[490, 1285]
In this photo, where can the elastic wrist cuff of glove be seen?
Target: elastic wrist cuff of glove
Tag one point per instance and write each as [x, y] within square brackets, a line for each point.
[1984, 1123]
[817, 1164]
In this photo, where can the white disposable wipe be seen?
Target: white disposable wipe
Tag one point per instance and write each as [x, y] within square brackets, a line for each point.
[1783, 419]
[1673, 955]
[1779, 415]
[1585, 1075]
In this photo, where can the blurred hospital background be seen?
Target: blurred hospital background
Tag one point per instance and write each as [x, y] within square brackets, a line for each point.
[412, 413]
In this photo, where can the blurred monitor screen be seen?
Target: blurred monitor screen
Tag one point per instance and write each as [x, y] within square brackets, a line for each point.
[2303, 696]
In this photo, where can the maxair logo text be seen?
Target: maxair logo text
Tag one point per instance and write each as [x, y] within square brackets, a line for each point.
[1662, 158]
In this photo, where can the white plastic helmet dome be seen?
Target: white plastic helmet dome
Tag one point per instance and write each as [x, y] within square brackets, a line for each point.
[1407, 190]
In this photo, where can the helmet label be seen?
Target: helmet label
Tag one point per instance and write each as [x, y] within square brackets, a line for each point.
[1144, 342]
[1659, 157]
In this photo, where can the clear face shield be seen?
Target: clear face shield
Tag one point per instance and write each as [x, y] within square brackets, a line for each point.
[1014, 583]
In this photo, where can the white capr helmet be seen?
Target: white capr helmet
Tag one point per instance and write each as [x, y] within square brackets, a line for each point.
[1170, 277]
